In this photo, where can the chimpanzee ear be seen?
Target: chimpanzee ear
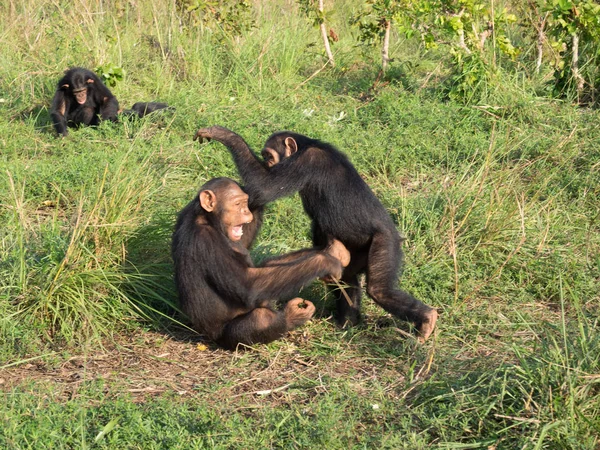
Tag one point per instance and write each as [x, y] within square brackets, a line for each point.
[208, 200]
[291, 146]
[65, 86]
[89, 81]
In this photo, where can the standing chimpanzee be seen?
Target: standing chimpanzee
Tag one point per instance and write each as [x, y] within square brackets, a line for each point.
[223, 293]
[82, 99]
[341, 206]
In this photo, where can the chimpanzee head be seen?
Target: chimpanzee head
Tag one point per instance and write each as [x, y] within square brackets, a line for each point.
[226, 206]
[77, 82]
[280, 146]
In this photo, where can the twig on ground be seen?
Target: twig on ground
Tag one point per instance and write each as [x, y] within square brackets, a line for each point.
[266, 391]
[517, 419]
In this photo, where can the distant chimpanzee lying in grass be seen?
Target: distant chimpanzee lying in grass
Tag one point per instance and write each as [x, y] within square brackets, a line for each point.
[142, 109]
[82, 99]
[341, 206]
[225, 296]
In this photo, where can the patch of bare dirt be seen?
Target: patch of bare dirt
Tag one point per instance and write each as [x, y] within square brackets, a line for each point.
[146, 364]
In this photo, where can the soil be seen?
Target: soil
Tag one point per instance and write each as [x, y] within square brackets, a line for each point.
[146, 363]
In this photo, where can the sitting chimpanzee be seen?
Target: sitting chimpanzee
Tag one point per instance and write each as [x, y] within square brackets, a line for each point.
[82, 99]
[225, 296]
[341, 206]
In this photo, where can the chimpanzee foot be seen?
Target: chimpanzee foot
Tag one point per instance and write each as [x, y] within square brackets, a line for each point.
[350, 318]
[427, 325]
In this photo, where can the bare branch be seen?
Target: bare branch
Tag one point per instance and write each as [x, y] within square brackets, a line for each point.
[325, 38]
[385, 57]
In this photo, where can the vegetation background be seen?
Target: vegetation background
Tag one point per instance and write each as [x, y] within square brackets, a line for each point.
[481, 138]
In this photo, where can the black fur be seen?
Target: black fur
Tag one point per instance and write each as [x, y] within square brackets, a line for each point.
[221, 291]
[100, 103]
[142, 109]
[341, 206]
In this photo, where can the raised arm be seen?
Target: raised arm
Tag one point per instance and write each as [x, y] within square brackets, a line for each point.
[282, 180]
[247, 162]
[262, 184]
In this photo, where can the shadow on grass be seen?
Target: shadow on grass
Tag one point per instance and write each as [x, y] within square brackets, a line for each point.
[38, 115]
[150, 283]
[364, 83]
[128, 120]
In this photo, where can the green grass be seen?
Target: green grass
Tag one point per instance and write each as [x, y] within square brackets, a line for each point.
[498, 201]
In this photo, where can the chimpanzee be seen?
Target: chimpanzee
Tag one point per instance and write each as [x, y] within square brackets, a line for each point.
[142, 109]
[226, 297]
[82, 99]
[341, 206]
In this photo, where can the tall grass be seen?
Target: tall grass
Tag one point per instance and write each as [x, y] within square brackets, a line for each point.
[67, 253]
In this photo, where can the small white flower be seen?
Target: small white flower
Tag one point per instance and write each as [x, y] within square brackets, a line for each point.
[375, 406]
[232, 99]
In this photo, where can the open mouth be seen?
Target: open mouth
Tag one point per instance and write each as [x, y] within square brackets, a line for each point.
[237, 231]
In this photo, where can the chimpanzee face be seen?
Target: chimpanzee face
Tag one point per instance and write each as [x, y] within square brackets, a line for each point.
[79, 89]
[270, 157]
[80, 95]
[231, 208]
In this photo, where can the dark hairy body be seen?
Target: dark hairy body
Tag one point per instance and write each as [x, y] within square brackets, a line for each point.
[341, 206]
[225, 296]
[142, 109]
[81, 99]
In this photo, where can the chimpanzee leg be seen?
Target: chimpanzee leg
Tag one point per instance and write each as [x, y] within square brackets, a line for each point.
[261, 325]
[347, 313]
[109, 109]
[84, 115]
[385, 257]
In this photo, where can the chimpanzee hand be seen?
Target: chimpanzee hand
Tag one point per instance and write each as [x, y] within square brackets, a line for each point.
[203, 135]
[216, 133]
[427, 325]
[339, 252]
[297, 312]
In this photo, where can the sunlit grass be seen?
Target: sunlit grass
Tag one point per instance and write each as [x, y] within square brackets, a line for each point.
[498, 202]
